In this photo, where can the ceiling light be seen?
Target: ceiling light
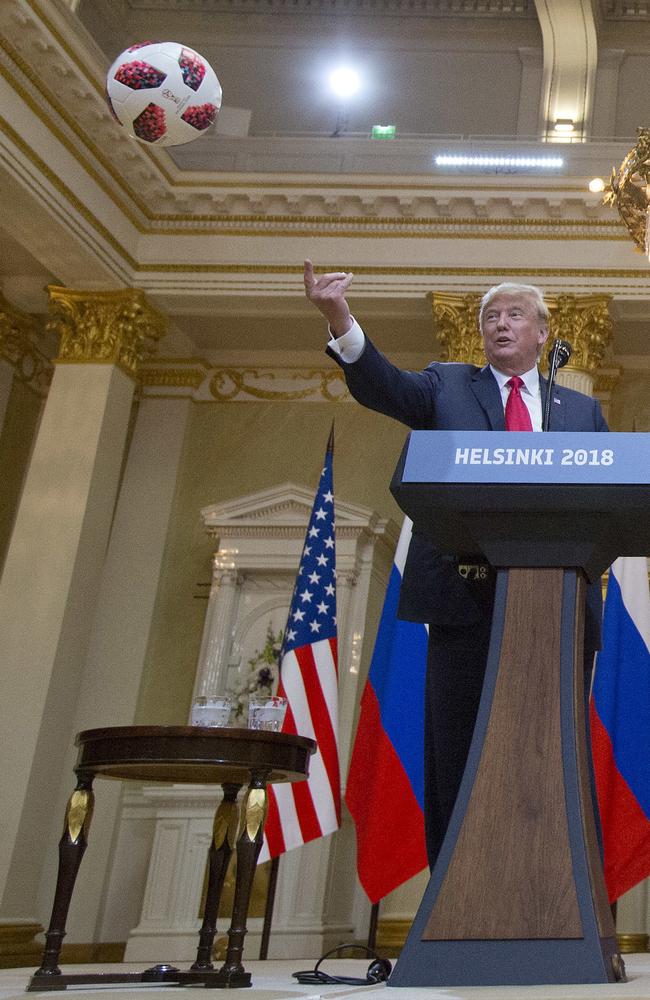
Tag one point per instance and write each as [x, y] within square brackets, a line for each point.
[596, 184]
[564, 125]
[344, 81]
[511, 162]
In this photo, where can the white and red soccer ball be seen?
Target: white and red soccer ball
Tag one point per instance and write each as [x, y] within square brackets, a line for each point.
[163, 93]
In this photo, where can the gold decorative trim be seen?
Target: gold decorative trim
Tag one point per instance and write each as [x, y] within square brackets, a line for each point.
[226, 825]
[584, 320]
[228, 383]
[115, 327]
[79, 813]
[628, 190]
[632, 943]
[456, 326]
[183, 378]
[18, 332]
[414, 270]
[255, 809]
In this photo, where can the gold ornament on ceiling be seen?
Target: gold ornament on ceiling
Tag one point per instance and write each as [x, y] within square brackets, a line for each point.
[629, 190]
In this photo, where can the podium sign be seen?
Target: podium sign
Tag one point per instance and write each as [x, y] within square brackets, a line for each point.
[517, 895]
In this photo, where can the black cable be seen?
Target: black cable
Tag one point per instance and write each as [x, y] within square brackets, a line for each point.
[378, 971]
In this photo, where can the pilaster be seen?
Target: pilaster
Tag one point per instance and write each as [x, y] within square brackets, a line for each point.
[53, 567]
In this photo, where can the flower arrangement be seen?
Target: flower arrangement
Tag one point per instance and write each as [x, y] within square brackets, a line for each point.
[262, 677]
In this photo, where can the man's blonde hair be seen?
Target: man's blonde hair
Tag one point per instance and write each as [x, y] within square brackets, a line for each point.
[511, 288]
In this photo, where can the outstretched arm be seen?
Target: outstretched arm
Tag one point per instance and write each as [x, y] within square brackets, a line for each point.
[328, 295]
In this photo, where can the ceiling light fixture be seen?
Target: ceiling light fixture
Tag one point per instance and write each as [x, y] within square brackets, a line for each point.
[564, 125]
[511, 162]
[344, 81]
[596, 184]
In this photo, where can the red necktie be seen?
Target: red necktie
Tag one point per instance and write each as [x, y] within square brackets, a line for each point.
[517, 415]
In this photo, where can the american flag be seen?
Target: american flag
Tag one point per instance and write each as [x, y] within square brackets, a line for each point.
[309, 809]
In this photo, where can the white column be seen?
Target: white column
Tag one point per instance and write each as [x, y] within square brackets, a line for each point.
[118, 643]
[47, 600]
[212, 668]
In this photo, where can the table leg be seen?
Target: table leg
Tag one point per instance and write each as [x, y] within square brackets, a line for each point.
[72, 846]
[249, 845]
[224, 837]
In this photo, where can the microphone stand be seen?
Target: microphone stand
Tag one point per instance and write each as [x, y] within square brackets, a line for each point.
[558, 356]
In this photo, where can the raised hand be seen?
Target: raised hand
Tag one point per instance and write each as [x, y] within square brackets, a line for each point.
[328, 295]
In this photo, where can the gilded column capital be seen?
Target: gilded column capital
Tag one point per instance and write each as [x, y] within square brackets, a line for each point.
[19, 332]
[116, 327]
[456, 326]
[585, 322]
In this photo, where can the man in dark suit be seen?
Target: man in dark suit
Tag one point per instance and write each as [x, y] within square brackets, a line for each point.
[456, 599]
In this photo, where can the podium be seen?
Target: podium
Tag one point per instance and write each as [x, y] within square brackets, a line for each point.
[517, 895]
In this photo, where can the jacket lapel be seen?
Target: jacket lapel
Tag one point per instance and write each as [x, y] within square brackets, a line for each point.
[486, 390]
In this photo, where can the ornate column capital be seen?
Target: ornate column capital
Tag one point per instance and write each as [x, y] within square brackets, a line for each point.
[105, 327]
[585, 322]
[456, 325]
[19, 332]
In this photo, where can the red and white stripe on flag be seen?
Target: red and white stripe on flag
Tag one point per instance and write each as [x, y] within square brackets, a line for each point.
[309, 809]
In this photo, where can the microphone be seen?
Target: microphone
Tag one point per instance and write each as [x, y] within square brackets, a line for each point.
[561, 351]
[558, 356]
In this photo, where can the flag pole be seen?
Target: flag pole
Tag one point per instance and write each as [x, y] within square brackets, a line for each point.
[268, 909]
[372, 929]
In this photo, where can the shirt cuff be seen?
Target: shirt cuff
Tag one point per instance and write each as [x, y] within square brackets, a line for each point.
[350, 346]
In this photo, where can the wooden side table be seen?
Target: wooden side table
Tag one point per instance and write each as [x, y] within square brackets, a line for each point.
[232, 758]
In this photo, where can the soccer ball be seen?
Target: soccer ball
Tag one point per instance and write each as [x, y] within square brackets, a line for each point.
[163, 93]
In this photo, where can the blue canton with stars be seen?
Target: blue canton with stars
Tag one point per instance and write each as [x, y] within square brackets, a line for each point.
[312, 615]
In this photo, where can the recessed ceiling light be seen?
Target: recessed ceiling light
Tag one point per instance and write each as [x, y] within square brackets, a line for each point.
[344, 81]
[511, 162]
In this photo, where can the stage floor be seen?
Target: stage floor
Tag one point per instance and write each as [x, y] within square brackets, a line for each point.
[272, 980]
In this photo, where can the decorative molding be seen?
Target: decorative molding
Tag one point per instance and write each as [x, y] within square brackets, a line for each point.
[18, 334]
[281, 511]
[172, 377]
[114, 327]
[625, 10]
[284, 385]
[238, 384]
[351, 8]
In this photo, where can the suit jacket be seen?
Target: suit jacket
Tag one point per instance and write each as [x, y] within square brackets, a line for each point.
[447, 396]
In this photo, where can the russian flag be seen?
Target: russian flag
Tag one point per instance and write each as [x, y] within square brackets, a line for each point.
[620, 724]
[385, 787]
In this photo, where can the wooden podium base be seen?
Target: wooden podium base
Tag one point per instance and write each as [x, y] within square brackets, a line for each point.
[517, 896]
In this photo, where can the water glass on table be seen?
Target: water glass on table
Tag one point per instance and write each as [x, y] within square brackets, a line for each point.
[211, 710]
[267, 713]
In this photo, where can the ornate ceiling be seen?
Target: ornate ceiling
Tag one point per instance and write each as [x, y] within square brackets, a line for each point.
[215, 231]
